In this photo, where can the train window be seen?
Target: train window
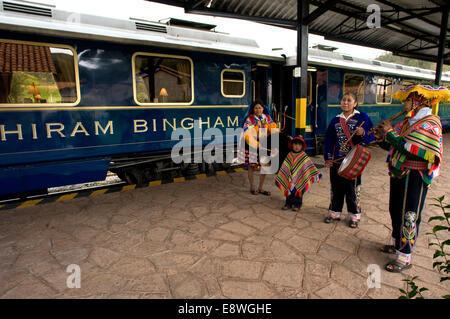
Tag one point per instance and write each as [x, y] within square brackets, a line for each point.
[355, 83]
[233, 83]
[384, 90]
[33, 74]
[162, 79]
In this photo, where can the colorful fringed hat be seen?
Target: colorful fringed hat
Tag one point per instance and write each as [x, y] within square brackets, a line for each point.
[431, 93]
[297, 139]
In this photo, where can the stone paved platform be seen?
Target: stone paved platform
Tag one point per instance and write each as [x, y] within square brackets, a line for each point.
[211, 238]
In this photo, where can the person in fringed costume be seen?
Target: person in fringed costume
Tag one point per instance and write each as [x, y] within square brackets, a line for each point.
[414, 160]
[345, 131]
[257, 125]
[296, 174]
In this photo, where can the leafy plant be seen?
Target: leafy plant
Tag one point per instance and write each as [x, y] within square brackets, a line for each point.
[442, 264]
[415, 290]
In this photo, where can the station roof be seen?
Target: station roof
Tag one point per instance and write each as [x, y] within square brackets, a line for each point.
[409, 28]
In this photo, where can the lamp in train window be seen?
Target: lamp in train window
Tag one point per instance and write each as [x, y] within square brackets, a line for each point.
[164, 94]
[33, 90]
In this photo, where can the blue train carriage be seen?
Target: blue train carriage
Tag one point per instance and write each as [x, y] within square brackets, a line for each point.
[82, 94]
[330, 74]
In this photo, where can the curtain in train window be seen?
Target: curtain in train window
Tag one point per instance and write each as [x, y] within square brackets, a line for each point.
[32, 74]
[384, 90]
[233, 83]
[163, 79]
[355, 83]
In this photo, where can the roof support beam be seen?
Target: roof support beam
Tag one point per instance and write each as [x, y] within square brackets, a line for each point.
[319, 11]
[442, 39]
[413, 15]
[302, 62]
[433, 38]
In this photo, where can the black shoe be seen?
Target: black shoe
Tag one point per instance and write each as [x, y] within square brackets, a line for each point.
[330, 219]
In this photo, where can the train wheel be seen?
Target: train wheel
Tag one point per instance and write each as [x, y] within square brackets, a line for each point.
[135, 176]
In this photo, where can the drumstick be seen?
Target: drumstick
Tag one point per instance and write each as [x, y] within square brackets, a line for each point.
[353, 134]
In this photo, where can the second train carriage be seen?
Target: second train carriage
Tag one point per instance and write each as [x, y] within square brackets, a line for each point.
[83, 94]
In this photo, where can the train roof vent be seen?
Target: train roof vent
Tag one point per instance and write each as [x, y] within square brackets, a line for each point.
[418, 70]
[399, 67]
[22, 8]
[151, 27]
[347, 57]
[376, 63]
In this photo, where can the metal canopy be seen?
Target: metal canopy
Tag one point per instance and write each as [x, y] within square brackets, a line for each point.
[410, 28]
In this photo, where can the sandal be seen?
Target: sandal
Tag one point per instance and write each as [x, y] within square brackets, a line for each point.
[396, 266]
[254, 192]
[330, 219]
[388, 249]
[353, 224]
[264, 193]
[285, 207]
[296, 209]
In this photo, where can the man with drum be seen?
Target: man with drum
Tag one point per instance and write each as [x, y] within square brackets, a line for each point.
[415, 154]
[344, 132]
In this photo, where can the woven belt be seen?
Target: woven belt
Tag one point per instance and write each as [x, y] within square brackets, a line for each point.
[416, 165]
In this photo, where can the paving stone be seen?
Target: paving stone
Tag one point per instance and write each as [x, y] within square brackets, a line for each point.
[242, 269]
[30, 288]
[287, 233]
[224, 235]
[103, 257]
[149, 284]
[332, 253]
[227, 250]
[303, 244]
[253, 251]
[245, 290]
[335, 291]
[185, 285]
[158, 234]
[132, 267]
[256, 222]
[238, 228]
[282, 252]
[356, 283]
[343, 242]
[288, 275]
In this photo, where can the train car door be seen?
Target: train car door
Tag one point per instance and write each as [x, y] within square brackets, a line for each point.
[261, 88]
[312, 112]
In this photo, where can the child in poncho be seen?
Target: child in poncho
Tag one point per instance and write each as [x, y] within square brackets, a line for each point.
[296, 175]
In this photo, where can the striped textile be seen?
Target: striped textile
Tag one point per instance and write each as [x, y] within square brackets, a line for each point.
[358, 162]
[249, 140]
[296, 174]
[423, 139]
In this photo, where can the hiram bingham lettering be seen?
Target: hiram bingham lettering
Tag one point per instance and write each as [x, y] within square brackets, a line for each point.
[21, 131]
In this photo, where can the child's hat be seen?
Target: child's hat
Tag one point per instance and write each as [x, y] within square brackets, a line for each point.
[297, 139]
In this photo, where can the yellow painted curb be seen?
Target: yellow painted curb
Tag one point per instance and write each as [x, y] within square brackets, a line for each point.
[98, 192]
[128, 187]
[30, 203]
[66, 197]
[154, 183]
